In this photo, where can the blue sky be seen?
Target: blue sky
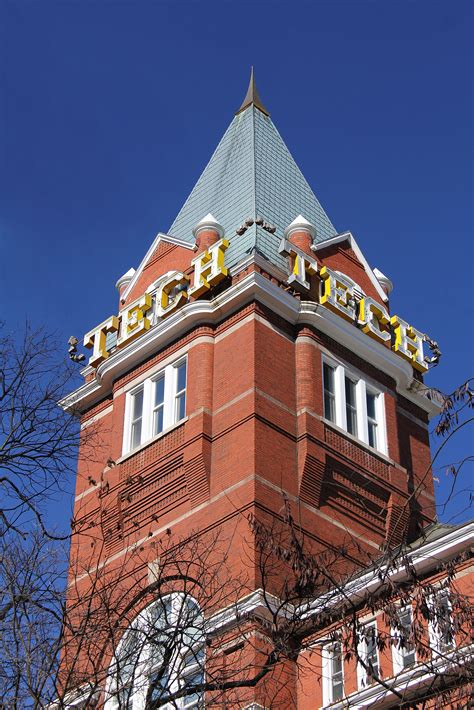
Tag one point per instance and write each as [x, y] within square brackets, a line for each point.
[110, 110]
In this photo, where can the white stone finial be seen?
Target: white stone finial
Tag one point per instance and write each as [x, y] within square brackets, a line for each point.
[299, 224]
[125, 279]
[384, 281]
[208, 222]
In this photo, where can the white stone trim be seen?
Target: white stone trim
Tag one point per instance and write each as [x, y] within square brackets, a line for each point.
[253, 286]
[208, 222]
[103, 413]
[424, 559]
[157, 367]
[413, 418]
[125, 278]
[410, 680]
[300, 224]
[384, 281]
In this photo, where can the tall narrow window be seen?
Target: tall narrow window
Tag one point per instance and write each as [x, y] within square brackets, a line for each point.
[180, 398]
[136, 418]
[372, 658]
[403, 651]
[351, 408]
[442, 637]
[337, 687]
[368, 667]
[333, 675]
[158, 405]
[329, 392]
[372, 418]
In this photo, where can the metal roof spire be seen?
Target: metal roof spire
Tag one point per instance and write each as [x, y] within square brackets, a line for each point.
[252, 97]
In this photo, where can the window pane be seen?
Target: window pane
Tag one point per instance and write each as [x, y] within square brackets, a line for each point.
[158, 421]
[136, 434]
[159, 391]
[337, 687]
[158, 409]
[408, 657]
[372, 426]
[372, 658]
[351, 411]
[372, 418]
[136, 419]
[371, 405]
[406, 648]
[329, 392]
[159, 684]
[181, 377]
[444, 624]
[180, 407]
[195, 656]
[128, 659]
[193, 699]
[137, 407]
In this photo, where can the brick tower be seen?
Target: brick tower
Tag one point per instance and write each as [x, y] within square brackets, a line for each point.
[253, 367]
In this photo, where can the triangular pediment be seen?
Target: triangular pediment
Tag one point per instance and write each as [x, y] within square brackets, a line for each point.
[165, 253]
[342, 253]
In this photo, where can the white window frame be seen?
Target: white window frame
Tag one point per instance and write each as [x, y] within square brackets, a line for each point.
[362, 388]
[399, 653]
[435, 633]
[143, 669]
[363, 679]
[327, 654]
[170, 373]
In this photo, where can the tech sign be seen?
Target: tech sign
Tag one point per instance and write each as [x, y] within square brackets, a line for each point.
[174, 289]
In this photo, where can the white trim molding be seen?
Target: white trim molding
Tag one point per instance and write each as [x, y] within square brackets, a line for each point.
[425, 558]
[409, 682]
[254, 286]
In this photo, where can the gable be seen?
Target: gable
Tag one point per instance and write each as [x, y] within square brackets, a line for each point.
[165, 254]
[342, 254]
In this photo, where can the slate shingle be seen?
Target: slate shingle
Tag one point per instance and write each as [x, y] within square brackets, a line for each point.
[250, 174]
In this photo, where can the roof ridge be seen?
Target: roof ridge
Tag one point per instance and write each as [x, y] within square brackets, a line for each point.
[254, 161]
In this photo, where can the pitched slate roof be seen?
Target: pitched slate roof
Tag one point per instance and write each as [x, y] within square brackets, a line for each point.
[252, 174]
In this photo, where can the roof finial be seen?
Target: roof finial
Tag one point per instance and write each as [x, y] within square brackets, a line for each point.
[252, 97]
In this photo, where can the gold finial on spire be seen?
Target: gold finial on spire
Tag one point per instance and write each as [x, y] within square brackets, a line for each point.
[252, 97]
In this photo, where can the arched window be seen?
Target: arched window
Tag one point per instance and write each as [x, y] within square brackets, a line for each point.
[161, 654]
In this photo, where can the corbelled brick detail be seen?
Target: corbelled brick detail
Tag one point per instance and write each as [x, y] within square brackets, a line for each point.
[312, 481]
[397, 520]
[354, 452]
[197, 479]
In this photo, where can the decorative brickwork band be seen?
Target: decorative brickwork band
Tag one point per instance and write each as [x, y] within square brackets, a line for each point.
[397, 520]
[312, 481]
[356, 453]
[197, 479]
